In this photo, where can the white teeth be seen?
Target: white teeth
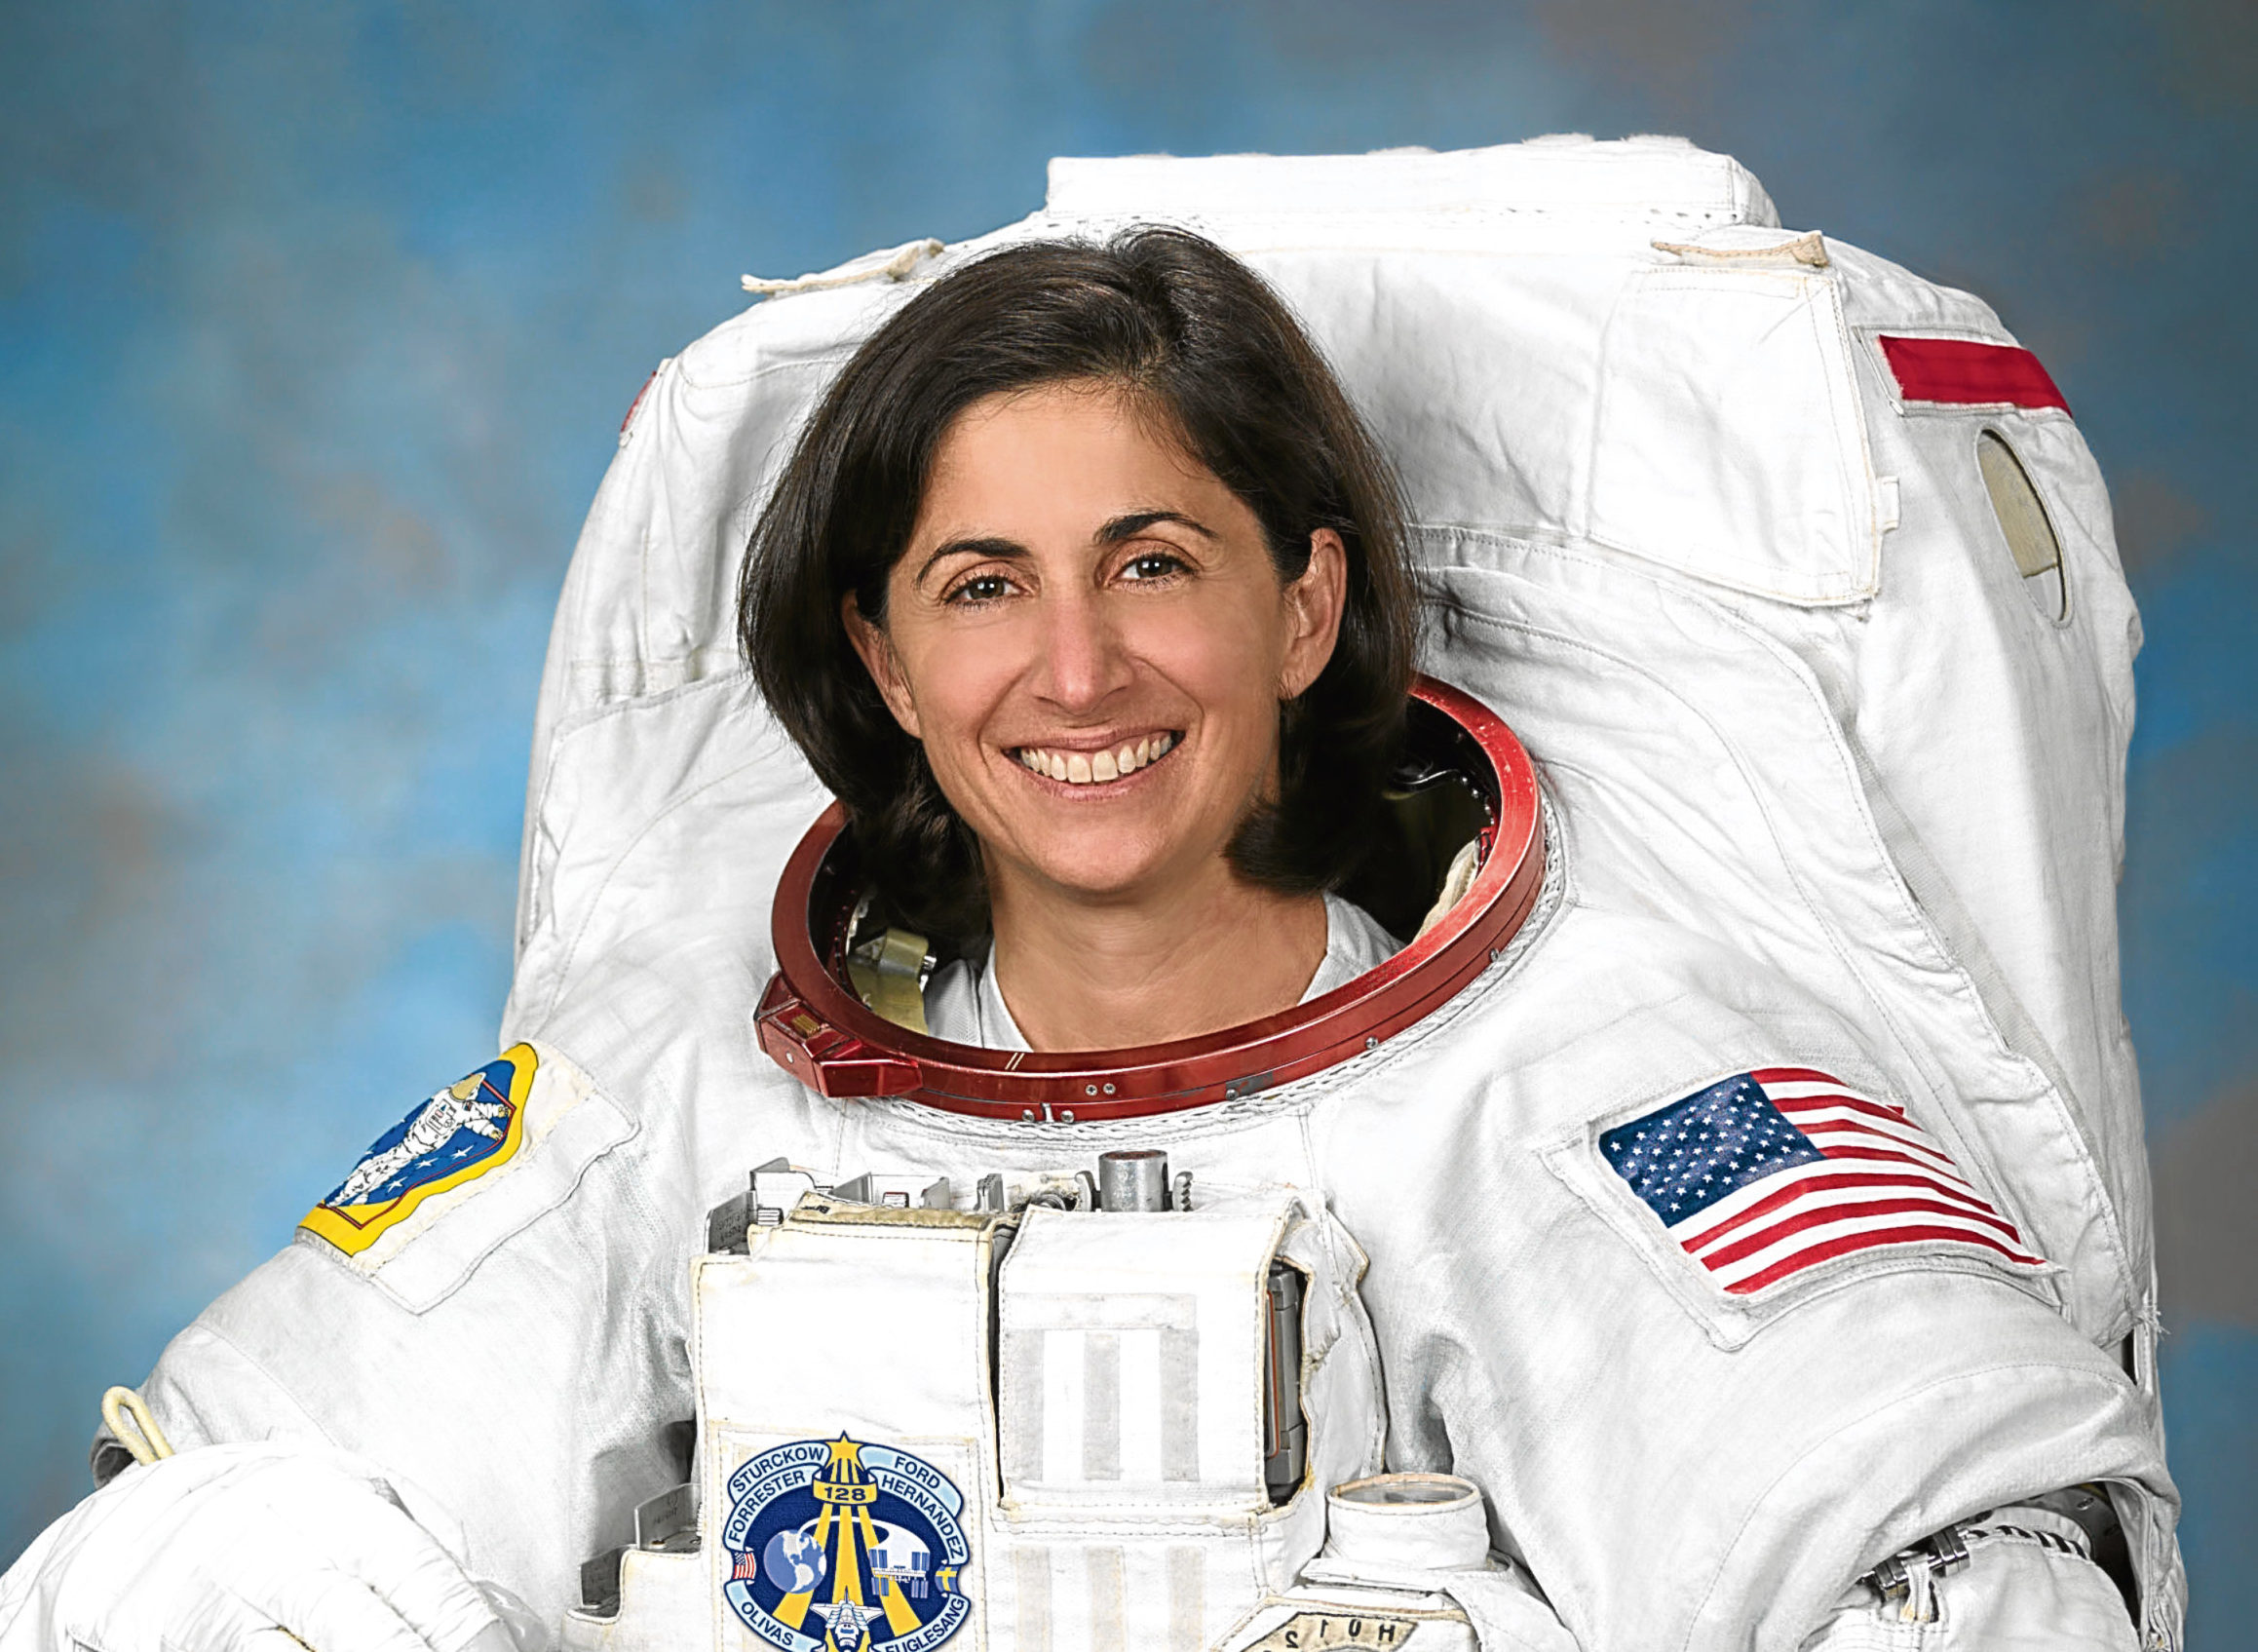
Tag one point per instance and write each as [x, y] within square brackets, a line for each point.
[1081, 768]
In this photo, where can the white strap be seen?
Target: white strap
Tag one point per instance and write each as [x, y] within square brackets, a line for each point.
[893, 264]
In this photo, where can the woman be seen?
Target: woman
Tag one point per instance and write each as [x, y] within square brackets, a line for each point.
[1082, 592]
[1085, 592]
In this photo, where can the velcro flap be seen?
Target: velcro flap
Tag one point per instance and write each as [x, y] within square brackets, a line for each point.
[1130, 1359]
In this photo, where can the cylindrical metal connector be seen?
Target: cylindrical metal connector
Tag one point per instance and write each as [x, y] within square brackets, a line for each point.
[1133, 1179]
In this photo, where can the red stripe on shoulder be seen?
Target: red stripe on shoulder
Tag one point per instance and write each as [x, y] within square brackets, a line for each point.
[1907, 1235]
[1888, 1156]
[1822, 1185]
[1965, 372]
[1792, 1075]
[1845, 1102]
[1826, 1214]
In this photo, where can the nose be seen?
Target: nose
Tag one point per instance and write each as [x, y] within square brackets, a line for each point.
[1084, 662]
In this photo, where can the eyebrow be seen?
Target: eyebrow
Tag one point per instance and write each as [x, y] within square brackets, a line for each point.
[1007, 550]
[1137, 521]
[1120, 528]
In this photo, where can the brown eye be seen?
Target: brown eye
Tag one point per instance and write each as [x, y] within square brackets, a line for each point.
[981, 588]
[1152, 566]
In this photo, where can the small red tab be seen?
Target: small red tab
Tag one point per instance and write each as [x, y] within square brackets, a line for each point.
[638, 403]
[1965, 372]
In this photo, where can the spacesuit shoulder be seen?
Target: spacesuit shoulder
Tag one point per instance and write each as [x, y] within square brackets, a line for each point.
[1749, 1142]
[434, 1321]
[467, 1168]
[1674, 1260]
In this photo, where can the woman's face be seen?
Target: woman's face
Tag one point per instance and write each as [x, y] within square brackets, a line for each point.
[1088, 636]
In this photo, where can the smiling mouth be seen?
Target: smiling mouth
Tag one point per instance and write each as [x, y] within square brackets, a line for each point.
[1097, 768]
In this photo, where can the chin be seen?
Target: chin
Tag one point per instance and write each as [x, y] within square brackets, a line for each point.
[1100, 866]
[1112, 881]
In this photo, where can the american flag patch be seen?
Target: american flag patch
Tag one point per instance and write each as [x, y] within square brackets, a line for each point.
[1768, 1173]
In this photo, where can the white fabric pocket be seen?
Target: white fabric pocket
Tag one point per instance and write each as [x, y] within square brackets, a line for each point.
[1729, 442]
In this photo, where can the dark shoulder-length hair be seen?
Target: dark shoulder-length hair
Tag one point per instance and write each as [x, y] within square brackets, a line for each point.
[1203, 344]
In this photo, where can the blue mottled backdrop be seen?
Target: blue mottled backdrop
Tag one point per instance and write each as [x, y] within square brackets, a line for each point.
[316, 321]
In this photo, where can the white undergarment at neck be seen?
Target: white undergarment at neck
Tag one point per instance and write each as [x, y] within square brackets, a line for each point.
[963, 1005]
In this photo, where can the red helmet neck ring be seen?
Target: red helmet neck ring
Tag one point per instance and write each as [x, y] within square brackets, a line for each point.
[818, 1030]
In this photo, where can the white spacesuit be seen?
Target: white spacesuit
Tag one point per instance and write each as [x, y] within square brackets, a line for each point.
[1794, 578]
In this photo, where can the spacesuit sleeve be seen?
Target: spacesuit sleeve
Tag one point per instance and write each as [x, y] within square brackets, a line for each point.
[1700, 1481]
[1682, 1463]
[2017, 1577]
[507, 1350]
[233, 1545]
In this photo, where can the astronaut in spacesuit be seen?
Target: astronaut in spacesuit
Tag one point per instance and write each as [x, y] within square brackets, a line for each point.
[456, 1108]
[1084, 591]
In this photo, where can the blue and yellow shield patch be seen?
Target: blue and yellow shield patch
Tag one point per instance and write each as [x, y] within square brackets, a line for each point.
[460, 1133]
